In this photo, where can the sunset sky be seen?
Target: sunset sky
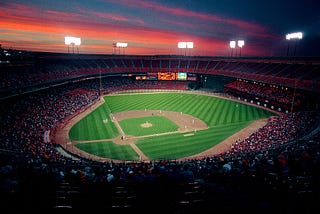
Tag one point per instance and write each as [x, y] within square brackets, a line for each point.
[156, 27]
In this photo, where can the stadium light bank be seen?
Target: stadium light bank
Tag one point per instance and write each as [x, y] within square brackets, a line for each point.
[120, 45]
[293, 36]
[185, 46]
[72, 41]
[233, 45]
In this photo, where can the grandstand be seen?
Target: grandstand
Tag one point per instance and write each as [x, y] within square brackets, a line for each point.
[276, 169]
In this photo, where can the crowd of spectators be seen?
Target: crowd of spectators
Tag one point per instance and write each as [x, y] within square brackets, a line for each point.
[271, 95]
[279, 94]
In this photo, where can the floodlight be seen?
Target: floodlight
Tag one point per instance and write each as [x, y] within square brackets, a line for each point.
[121, 44]
[189, 44]
[293, 36]
[232, 44]
[72, 41]
[185, 44]
[67, 40]
[182, 45]
[297, 35]
[77, 41]
[240, 43]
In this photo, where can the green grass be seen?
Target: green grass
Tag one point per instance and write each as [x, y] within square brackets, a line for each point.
[92, 127]
[132, 126]
[179, 146]
[109, 150]
[224, 118]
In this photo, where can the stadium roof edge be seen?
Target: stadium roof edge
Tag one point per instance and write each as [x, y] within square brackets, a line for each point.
[260, 59]
[313, 60]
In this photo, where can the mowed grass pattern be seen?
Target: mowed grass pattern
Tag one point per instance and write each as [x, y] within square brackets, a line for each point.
[109, 150]
[223, 117]
[93, 127]
[132, 126]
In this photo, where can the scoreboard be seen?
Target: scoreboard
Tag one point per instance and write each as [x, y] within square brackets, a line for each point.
[169, 76]
[166, 76]
[181, 76]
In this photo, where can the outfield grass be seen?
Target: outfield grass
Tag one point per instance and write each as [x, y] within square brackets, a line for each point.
[109, 150]
[93, 127]
[224, 118]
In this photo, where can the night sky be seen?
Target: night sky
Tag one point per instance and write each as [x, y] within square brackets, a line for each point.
[156, 27]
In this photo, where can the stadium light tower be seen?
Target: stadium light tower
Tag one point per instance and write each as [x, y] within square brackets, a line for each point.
[185, 46]
[293, 36]
[119, 46]
[72, 41]
[232, 46]
[240, 45]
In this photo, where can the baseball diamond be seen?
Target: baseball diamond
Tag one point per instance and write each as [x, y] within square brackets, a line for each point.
[187, 125]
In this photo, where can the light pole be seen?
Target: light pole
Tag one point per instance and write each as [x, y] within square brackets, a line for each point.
[120, 45]
[185, 46]
[232, 46]
[73, 41]
[240, 45]
[293, 36]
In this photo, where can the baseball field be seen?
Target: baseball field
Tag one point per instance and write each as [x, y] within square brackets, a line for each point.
[142, 126]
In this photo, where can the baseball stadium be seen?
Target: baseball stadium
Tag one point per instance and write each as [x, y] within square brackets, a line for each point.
[176, 134]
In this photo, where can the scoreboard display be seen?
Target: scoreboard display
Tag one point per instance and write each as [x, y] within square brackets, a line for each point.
[181, 76]
[166, 76]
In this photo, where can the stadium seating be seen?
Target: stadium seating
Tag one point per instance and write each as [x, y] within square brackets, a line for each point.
[275, 170]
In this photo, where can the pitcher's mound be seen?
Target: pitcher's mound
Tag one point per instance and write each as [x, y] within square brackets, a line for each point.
[146, 125]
